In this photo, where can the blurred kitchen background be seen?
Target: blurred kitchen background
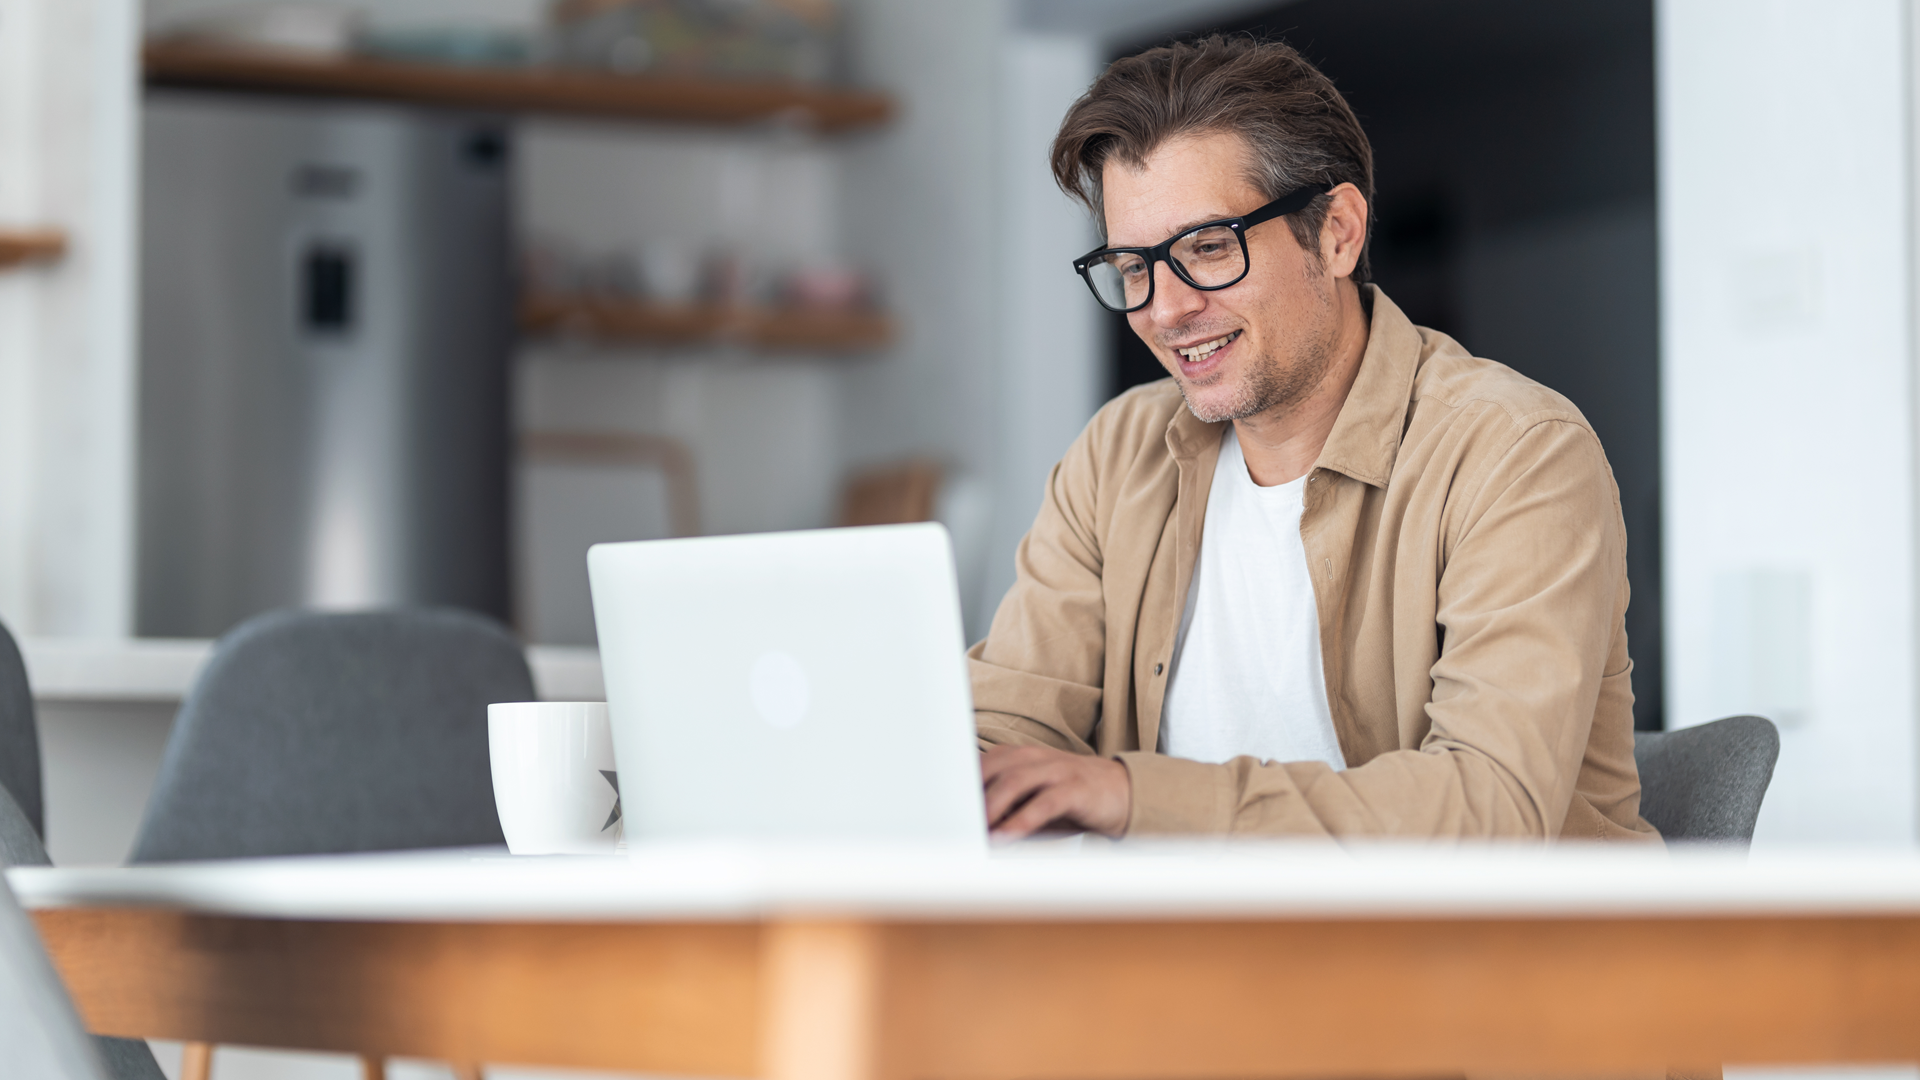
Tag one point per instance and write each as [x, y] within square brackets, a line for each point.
[353, 304]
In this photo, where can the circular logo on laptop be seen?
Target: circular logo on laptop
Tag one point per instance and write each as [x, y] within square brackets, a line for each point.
[779, 688]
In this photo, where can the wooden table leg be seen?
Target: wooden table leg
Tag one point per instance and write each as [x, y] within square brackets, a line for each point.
[196, 1061]
[822, 1000]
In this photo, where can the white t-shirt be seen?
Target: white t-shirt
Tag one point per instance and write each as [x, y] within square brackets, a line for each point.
[1246, 676]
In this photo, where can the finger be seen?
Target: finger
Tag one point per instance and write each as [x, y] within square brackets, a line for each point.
[1007, 791]
[1020, 769]
[1046, 807]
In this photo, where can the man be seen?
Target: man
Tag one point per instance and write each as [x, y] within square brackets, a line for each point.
[1335, 577]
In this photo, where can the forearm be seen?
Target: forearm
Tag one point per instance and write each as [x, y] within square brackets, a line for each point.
[1007, 729]
[1408, 794]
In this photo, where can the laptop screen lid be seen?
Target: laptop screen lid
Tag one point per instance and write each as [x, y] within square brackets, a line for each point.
[790, 686]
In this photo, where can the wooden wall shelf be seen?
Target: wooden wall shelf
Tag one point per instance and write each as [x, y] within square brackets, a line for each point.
[30, 245]
[777, 329]
[542, 90]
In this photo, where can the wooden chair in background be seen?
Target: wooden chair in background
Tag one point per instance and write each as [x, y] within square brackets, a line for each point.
[891, 494]
[670, 456]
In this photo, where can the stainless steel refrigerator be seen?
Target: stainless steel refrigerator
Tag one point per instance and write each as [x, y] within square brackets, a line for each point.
[326, 323]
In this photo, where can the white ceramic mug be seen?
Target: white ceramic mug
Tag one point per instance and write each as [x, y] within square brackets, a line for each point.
[554, 781]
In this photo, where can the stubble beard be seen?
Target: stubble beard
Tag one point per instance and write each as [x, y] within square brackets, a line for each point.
[1272, 384]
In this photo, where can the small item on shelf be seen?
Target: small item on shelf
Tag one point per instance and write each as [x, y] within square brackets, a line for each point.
[828, 287]
[550, 268]
[671, 271]
[735, 280]
[313, 30]
[663, 292]
[472, 46]
[660, 271]
[791, 39]
[615, 276]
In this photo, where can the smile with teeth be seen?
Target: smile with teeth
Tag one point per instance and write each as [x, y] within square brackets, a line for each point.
[1197, 353]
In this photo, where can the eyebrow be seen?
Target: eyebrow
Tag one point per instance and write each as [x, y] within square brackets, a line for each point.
[1180, 229]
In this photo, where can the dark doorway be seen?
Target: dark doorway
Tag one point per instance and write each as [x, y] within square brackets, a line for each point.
[1514, 166]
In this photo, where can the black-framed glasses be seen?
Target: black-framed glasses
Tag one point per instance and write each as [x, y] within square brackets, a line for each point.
[1207, 257]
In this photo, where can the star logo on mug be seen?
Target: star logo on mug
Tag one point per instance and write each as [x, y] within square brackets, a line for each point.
[614, 779]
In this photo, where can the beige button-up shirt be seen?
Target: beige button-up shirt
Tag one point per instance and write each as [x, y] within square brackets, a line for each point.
[1469, 564]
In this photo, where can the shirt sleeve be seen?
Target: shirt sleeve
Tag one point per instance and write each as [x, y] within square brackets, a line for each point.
[1531, 598]
[1037, 675]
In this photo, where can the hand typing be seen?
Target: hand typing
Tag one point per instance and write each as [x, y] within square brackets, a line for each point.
[1035, 788]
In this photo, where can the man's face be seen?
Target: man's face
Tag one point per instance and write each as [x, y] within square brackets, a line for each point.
[1259, 346]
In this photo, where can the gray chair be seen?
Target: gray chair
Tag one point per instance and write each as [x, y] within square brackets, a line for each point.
[125, 1059]
[21, 829]
[312, 733]
[19, 737]
[40, 1034]
[19, 844]
[1704, 784]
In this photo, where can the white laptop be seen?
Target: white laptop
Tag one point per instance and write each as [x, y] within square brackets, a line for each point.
[790, 686]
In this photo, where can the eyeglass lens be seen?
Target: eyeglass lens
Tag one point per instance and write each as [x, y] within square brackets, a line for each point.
[1211, 257]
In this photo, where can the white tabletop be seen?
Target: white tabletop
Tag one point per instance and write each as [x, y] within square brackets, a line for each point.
[1105, 882]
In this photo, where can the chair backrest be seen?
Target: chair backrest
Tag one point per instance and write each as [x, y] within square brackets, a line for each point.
[1705, 783]
[19, 844]
[40, 1034]
[310, 733]
[125, 1059]
[891, 495]
[19, 738]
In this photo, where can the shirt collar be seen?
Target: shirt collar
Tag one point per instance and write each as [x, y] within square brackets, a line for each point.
[1366, 435]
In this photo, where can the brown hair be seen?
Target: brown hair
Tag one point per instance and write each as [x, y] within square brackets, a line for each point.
[1300, 129]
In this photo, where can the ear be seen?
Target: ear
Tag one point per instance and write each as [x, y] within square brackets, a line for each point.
[1344, 232]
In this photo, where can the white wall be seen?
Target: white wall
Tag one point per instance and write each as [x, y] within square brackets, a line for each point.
[20, 204]
[1051, 352]
[920, 205]
[66, 331]
[1788, 396]
[99, 761]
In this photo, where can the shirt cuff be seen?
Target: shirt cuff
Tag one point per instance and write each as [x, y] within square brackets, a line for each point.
[1176, 797]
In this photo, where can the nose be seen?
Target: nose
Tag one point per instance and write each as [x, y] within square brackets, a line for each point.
[1174, 301]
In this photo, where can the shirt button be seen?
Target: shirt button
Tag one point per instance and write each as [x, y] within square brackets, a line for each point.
[1157, 667]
